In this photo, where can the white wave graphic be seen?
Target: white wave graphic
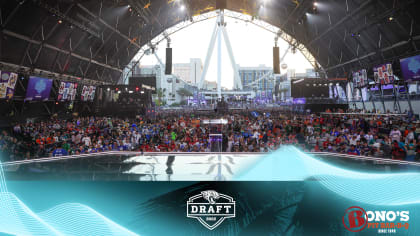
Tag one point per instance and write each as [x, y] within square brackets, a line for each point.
[290, 164]
[67, 219]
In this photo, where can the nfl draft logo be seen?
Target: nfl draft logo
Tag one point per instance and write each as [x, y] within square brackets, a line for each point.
[210, 208]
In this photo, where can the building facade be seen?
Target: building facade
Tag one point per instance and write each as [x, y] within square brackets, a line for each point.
[250, 76]
[196, 66]
[189, 72]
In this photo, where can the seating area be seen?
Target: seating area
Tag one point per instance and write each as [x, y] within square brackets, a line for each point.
[395, 137]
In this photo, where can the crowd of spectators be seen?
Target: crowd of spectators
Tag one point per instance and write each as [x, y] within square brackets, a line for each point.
[394, 137]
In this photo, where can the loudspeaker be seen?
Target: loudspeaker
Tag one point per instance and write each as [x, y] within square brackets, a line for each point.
[276, 60]
[168, 66]
[221, 4]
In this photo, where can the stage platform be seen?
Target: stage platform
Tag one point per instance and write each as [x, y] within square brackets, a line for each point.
[283, 165]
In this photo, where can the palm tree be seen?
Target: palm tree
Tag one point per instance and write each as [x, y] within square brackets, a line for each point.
[160, 94]
[183, 92]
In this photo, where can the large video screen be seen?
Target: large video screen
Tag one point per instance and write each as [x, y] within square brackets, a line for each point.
[360, 79]
[67, 91]
[7, 84]
[299, 101]
[383, 74]
[38, 89]
[410, 68]
[88, 93]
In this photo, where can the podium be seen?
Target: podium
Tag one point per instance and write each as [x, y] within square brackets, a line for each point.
[216, 136]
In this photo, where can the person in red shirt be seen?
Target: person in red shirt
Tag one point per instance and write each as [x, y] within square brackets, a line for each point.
[40, 141]
[50, 140]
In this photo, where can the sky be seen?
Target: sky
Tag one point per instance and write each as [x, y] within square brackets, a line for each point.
[252, 46]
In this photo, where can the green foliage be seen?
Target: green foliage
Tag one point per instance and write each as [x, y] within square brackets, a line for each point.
[183, 92]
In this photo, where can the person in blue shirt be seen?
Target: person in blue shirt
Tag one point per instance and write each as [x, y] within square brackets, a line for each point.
[353, 151]
[115, 147]
[133, 127]
[81, 150]
[58, 152]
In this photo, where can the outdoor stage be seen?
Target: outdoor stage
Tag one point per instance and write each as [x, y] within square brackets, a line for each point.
[285, 164]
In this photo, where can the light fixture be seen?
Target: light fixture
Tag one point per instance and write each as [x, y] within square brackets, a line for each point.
[60, 21]
[182, 7]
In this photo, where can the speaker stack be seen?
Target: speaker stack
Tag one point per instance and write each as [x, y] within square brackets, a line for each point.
[221, 4]
[276, 60]
[168, 65]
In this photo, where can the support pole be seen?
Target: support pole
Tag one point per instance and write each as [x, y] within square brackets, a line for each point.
[372, 98]
[209, 54]
[408, 97]
[219, 65]
[237, 79]
[396, 97]
[363, 100]
[285, 54]
[382, 97]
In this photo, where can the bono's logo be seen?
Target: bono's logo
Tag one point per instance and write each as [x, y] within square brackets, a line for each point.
[210, 208]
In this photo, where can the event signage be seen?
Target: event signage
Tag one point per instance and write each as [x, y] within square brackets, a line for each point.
[7, 84]
[383, 74]
[410, 68]
[360, 78]
[88, 93]
[38, 89]
[67, 91]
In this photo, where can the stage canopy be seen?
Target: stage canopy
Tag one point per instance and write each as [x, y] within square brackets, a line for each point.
[96, 39]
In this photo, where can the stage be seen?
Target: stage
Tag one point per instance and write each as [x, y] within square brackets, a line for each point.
[285, 164]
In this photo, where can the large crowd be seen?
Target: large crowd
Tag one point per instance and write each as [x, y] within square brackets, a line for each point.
[394, 137]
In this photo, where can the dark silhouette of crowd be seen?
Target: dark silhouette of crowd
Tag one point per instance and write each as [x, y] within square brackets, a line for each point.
[394, 137]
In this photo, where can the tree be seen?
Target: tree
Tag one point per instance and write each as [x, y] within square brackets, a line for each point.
[183, 92]
[161, 94]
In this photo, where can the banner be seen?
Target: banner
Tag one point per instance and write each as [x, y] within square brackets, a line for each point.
[7, 84]
[88, 93]
[38, 89]
[383, 74]
[299, 101]
[360, 78]
[67, 91]
[410, 68]
[384, 87]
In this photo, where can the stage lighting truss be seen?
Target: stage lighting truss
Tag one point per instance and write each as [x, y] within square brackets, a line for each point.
[211, 15]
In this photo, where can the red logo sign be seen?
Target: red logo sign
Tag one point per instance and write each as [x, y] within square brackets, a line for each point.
[355, 219]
